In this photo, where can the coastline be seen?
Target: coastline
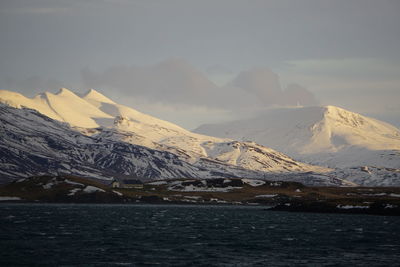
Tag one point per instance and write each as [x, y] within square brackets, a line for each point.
[269, 195]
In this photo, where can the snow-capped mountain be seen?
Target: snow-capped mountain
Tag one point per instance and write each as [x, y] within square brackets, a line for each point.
[95, 114]
[328, 136]
[34, 144]
[63, 106]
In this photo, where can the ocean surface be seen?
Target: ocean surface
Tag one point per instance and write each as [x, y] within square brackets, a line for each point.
[168, 235]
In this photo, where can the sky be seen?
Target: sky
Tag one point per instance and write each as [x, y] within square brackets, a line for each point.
[194, 62]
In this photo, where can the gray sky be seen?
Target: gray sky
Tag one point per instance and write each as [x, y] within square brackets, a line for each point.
[194, 62]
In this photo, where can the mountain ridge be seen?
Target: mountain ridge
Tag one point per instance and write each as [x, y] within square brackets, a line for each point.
[95, 111]
[332, 141]
[34, 144]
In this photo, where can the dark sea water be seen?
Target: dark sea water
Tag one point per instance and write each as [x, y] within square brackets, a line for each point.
[146, 235]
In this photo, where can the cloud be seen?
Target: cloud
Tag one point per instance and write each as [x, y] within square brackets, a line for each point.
[176, 82]
[261, 82]
[220, 75]
[265, 84]
[173, 81]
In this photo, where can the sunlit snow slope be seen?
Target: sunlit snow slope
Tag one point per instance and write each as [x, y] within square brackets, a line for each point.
[328, 136]
[312, 131]
[96, 115]
[33, 144]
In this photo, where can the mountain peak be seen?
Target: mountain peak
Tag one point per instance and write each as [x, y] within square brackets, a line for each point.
[316, 134]
[345, 117]
[94, 95]
[64, 91]
[335, 109]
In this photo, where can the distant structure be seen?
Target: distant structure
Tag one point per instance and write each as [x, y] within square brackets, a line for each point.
[127, 183]
[137, 184]
[115, 184]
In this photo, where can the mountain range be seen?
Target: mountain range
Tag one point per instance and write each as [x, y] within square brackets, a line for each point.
[91, 135]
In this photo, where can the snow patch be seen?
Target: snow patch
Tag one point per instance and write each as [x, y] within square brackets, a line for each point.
[253, 182]
[217, 200]
[118, 193]
[92, 189]
[275, 184]
[72, 182]
[48, 185]
[73, 191]
[192, 197]
[351, 207]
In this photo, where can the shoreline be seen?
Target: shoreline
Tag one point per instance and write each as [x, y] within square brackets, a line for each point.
[276, 208]
[235, 192]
